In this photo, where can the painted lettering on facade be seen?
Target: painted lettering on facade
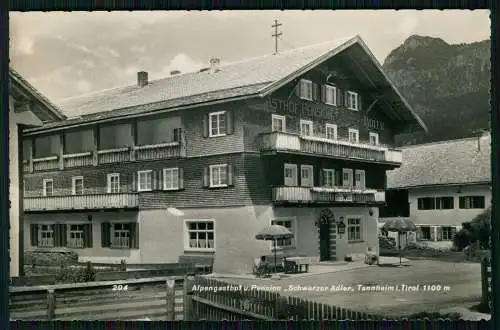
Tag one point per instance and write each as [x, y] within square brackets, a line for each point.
[315, 110]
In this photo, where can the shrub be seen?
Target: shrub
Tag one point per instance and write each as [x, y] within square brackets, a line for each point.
[50, 258]
[477, 230]
[76, 275]
[386, 242]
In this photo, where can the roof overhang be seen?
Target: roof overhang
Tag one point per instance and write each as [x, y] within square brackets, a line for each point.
[440, 185]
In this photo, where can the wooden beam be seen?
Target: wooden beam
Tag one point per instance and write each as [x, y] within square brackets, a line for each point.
[370, 107]
[363, 72]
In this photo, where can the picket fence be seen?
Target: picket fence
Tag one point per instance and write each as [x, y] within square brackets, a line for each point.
[486, 282]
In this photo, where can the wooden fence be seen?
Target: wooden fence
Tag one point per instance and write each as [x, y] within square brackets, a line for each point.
[486, 282]
[154, 298]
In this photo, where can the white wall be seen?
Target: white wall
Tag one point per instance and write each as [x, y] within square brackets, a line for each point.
[13, 191]
[454, 217]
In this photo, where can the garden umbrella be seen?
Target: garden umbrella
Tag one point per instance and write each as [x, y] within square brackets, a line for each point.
[274, 233]
[399, 225]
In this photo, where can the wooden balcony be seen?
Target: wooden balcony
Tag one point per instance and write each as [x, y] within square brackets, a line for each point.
[320, 195]
[81, 202]
[294, 143]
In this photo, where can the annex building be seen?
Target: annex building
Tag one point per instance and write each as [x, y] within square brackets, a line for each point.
[302, 138]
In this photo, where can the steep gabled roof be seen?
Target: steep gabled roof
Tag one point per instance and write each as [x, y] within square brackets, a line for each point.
[255, 77]
[463, 161]
[26, 87]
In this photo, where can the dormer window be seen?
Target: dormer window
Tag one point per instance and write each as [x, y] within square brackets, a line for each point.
[305, 89]
[352, 101]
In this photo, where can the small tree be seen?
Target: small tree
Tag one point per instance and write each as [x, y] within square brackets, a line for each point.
[477, 230]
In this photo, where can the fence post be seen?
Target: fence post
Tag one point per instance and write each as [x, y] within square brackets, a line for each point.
[484, 281]
[188, 298]
[51, 304]
[170, 296]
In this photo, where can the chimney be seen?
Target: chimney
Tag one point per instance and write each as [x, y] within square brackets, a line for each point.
[214, 65]
[142, 78]
[174, 72]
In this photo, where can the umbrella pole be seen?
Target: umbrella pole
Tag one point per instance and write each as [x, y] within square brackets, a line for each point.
[399, 241]
[275, 256]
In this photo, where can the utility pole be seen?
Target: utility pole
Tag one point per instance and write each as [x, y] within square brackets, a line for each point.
[276, 35]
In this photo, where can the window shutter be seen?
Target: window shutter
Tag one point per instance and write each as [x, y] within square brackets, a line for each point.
[64, 234]
[347, 103]
[154, 180]
[230, 122]
[181, 178]
[160, 179]
[134, 236]
[359, 102]
[57, 235]
[229, 175]
[88, 235]
[298, 88]
[315, 91]
[340, 99]
[177, 134]
[133, 181]
[322, 177]
[205, 125]
[206, 177]
[323, 93]
[439, 234]
[105, 234]
[461, 202]
[34, 234]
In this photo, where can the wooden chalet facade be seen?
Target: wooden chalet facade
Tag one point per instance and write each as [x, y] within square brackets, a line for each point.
[283, 139]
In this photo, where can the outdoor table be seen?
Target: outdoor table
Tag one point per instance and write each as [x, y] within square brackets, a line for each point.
[296, 265]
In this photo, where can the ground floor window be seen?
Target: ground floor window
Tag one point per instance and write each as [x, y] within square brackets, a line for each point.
[354, 229]
[120, 235]
[447, 233]
[46, 236]
[425, 233]
[289, 224]
[79, 235]
[200, 234]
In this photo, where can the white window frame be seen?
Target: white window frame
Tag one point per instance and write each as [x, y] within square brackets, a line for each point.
[362, 181]
[112, 176]
[293, 240]
[331, 126]
[360, 225]
[294, 169]
[45, 183]
[331, 89]
[211, 176]
[306, 89]
[310, 124]
[442, 233]
[40, 234]
[375, 137]
[280, 118]
[348, 171]
[350, 96]
[127, 235]
[77, 232]
[173, 173]
[210, 127]
[332, 172]
[353, 131]
[311, 171]
[73, 185]
[187, 231]
[139, 186]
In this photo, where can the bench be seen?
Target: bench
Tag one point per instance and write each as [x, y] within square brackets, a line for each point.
[296, 265]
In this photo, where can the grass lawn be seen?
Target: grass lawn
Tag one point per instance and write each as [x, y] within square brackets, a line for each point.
[431, 254]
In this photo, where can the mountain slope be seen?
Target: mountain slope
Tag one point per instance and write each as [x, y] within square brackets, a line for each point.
[447, 85]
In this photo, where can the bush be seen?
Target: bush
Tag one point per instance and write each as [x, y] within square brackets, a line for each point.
[386, 242]
[50, 258]
[76, 275]
[477, 230]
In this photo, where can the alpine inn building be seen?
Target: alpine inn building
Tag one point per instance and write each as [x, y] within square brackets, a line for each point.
[301, 138]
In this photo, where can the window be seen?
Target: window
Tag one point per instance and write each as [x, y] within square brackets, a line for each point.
[200, 234]
[121, 235]
[328, 178]
[217, 123]
[76, 236]
[353, 135]
[331, 131]
[353, 229]
[426, 203]
[278, 123]
[347, 178]
[330, 95]
[352, 100]
[447, 233]
[290, 175]
[306, 176]
[155, 131]
[218, 175]
[78, 141]
[78, 185]
[115, 136]
[114, 183]
[471, 202]
[46, 146]
[145, 179]
[426, 232]
[374, 138]
[359, 178]
[306, 89]
[289, 224]
[27, 149]
[170, 178]
[46, 236]
[48, 187]
[444, 203]
[306, 127]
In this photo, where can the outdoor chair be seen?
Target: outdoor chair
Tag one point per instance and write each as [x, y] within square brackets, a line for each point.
[371, 257]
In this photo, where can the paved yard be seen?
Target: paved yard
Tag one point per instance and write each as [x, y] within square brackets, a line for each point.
[460, 287]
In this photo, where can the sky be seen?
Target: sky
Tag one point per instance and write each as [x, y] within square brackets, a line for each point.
[67, 54]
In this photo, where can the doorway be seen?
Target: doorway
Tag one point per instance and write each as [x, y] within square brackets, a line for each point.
[325, 223]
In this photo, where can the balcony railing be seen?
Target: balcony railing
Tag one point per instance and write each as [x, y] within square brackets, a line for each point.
[322, 195]
[290, 142]
[81, 202]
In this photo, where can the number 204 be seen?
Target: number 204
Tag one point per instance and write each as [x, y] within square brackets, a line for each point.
[120, 287]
